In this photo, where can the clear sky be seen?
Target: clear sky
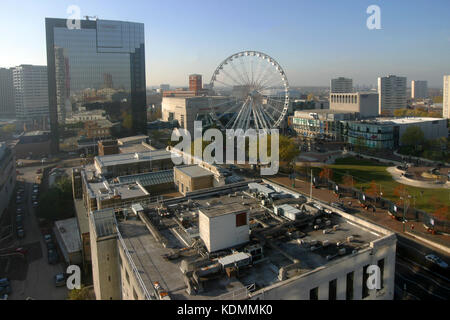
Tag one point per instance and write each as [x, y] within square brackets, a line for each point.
[313, 40]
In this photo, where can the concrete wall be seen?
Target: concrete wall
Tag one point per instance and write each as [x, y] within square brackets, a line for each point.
[7, 180]
[298, 288]
[197, 183]
[105, 270]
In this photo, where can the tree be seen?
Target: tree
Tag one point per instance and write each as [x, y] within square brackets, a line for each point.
[326, 173]
[79, 294]
[288, 149]
[57, 202]
[413, 136]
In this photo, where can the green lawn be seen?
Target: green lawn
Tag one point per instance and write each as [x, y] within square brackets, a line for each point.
[365, 171]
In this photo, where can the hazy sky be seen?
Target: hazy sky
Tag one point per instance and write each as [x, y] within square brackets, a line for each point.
[312, 40]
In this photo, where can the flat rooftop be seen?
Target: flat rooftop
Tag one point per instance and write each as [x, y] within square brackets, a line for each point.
[194, 171]
[315, 240]
[132, 139]
[127, 158]
[68, 230]
[216, 210]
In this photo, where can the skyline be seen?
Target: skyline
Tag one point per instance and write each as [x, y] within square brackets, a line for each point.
[414, 40]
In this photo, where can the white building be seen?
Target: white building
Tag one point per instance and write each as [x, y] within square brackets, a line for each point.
[31, 92]
[341, 85]
[364, 103]
[186, 110]
[446, 105]
[392, 91]
[419, 89]
[325, 256]
[7, 176]
[7, 106]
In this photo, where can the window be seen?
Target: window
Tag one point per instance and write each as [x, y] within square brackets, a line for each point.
[365, 289]
[349, 291]
[332, 285]
[241, 219]
[314, 294]
[381, 266]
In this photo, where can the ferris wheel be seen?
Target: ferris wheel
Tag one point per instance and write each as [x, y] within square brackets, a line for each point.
[250, 91]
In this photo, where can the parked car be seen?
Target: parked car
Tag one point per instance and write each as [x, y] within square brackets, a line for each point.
[51, 246]
[52, 256]
[35, 204]
[20, 233]
[60, 280]
[34, 197]
[5, 286]
[39, 171]
[19, 210]
[47, 238]
[19, 219]
[436, 261]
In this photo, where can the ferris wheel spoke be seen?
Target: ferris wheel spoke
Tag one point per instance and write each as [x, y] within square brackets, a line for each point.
[244, 71]
[273, 108]
[237, 104]
[262, 119]
[267, 114]
[270, 82]
[231, 77]
[238, 73]
[263, 74]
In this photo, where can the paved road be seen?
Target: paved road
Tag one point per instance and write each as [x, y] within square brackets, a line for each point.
[423, 280]
[36, 280]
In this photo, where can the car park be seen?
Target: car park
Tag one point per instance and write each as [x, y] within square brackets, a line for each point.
[52, 256]
[5, 286]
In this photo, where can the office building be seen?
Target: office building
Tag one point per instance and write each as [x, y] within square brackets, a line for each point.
[35, 144]
[7, 104]
[227, 245]
[446, 104]
[419, 89]
[363, 103]
[31, 93]
[7, 176]
[386, 133]
[102, 67]
[341, 85]
[190, 178]
[195, 88]
[392, 91]
[186, 110]
[321, 124]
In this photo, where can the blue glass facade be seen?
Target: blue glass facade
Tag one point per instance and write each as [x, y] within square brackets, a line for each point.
[100, 66]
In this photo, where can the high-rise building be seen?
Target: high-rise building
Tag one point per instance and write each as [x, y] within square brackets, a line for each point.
[195, 82]
[31, 93]
[419, 89]
[446, 105]
[341, 85]
[7, 105]
[392, 91]
[99, 66]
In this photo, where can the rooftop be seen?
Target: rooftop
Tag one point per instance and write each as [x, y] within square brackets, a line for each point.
[315, 240]
[68, 230]
[126, 158]
[149, 179]
[104, 222]
[194, 171]
[133, 139]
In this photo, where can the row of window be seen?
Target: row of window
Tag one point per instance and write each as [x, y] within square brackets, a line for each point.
[340, 98]
[349, 293]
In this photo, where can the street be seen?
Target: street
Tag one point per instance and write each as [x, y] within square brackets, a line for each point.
[32, 277]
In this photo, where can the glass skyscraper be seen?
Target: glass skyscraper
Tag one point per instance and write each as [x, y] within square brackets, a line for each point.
[100, 66]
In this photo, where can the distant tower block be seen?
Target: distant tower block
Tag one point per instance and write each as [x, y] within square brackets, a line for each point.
[195, 82]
